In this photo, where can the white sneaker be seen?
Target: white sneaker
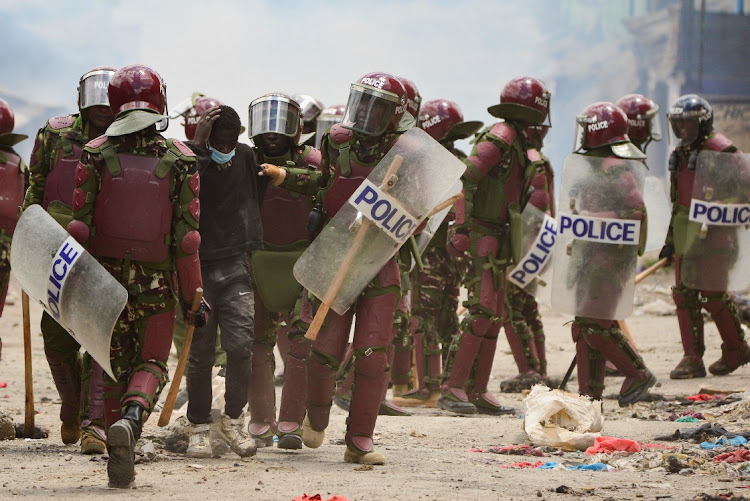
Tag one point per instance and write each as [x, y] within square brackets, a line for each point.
[238, 439]
[199, 443]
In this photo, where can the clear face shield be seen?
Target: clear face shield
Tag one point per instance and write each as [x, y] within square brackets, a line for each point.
[274, 114]
[163, 124]
[579, 141]
[369, 111]
[92, 90]
[309, 106]
[323, 124]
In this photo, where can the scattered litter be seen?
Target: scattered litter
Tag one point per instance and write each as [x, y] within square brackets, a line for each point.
[739, 456]
[701, 397]
[561, 419]
[518, 450]
[723, 442]
[316, 497]
[612, 444]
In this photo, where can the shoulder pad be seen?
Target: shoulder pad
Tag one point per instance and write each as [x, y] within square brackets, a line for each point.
[312, 157]
[183, 148]
[718, 142]
[504, 132]
[533, 155]
[340, 135]
[96, 143]
[63, 122]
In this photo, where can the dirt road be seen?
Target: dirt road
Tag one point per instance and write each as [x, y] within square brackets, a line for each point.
[430, 455]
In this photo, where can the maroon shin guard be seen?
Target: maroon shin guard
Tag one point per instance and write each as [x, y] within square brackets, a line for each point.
[261, 392]
[66, 373]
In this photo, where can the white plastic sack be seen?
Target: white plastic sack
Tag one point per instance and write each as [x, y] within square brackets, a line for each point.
[560, 419]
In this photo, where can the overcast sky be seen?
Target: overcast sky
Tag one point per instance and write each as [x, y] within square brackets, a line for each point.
[238, 50]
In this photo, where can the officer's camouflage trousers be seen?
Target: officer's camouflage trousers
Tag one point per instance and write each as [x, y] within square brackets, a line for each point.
[141, 341]
[434, 318]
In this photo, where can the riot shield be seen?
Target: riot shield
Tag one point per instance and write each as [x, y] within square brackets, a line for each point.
[414, 177]
[67, 281]
[659, 211]
[717, 234]
[433, 224]
[597, 241]
[533, 273]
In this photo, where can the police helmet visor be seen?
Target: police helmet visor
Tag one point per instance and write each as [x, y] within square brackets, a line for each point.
[323, 124]
[579, 141]
[310, 107]
[93, 89]
[369, 111]
[275, 114]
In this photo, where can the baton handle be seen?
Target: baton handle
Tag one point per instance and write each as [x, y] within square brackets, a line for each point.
[28, 424]
[651, 269]
[174, 388]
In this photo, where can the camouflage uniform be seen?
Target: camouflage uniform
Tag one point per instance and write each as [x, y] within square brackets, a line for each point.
[55, 155]
[374, 308]
[13, 186]
[142, 336]
[434, 318]
[523, 323]
[488, 220]
[284, 216]
[599, 340]
[690, 302]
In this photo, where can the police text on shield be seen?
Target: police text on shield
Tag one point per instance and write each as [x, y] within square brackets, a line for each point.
[65, 258]
[384, 211]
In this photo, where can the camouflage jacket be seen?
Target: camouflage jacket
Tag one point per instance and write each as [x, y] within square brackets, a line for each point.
[183, 194]
[59, 133]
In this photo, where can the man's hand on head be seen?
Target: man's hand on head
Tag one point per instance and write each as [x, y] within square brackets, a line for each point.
[205, 125]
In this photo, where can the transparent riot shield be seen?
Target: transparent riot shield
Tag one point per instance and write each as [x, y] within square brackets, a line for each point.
[659, 210]
[533, 273]
[433, 224]
[717, 238]
[67, 281]
[598, 232]
[414, 177]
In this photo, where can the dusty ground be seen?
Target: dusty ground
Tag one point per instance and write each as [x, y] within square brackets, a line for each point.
[427, 454]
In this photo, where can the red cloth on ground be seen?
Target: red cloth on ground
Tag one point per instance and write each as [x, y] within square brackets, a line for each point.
[701, 397]
[613, 444]
[739, 456]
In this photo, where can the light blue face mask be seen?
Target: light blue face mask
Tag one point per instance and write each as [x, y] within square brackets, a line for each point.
[219, 157]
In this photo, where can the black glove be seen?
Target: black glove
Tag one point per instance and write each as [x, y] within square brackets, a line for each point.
[667, 252]
[198, 318]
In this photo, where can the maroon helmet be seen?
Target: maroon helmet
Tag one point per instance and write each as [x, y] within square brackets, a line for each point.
[7, 117]
[524, 99]
[413, 99]
[604, 124]
[643, 119]
[326, 119]
[7, 123]
[138, 98]
[137, 87]
[444, 121]
[194, 114]
[377, 102]
[93, 87]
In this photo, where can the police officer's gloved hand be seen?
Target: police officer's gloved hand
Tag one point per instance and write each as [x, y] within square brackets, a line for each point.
[667, 252]
[459, 244]
[198, 318]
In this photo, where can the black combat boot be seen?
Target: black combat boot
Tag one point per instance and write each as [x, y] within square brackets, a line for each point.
[121, 439]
